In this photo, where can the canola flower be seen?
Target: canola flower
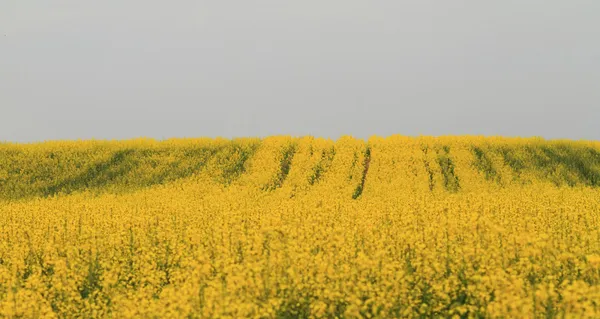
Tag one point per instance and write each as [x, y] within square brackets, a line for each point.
[397, 227]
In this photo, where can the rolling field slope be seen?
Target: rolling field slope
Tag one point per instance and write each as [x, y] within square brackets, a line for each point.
[300, 227]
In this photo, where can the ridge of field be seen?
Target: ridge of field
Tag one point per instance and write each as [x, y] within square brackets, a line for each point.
[62, 167]
[282, 227]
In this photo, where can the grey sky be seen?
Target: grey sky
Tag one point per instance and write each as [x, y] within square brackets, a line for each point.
[121, 69]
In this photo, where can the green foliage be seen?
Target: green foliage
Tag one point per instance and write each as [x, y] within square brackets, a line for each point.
[322, 166]
[285, 165]
[451, 181]
[484, 164]
[359, 189]
[50, 170]
[565, 163]
[231, 161]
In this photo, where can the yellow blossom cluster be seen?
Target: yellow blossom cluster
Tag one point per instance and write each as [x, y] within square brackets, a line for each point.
[283, 227]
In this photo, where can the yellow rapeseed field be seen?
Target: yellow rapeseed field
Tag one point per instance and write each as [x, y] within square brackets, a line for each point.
[282, 227]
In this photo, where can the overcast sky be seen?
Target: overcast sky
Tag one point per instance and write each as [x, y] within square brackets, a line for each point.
[130, 68]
